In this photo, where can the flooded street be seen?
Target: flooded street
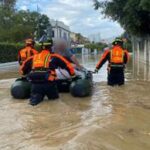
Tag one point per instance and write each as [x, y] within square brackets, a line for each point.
[113, 118]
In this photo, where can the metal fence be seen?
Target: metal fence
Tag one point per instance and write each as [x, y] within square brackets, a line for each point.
[141, 49]
[141, 56]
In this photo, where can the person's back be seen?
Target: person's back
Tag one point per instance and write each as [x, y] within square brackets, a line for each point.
[40, 61]
[117, 58]
[27, 52]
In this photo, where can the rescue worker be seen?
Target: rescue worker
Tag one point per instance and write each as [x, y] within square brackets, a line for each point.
[61, 48]
[41, 72]
[117, 58]
[27, 52]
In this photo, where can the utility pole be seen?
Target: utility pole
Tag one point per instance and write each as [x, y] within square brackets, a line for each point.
[57, 28]
[38, 24]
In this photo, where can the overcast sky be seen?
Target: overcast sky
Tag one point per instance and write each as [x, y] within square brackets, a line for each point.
[78, 14]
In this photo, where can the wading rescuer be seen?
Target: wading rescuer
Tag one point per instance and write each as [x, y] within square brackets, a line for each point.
[27, 52]
[40, 70]
[117, 58]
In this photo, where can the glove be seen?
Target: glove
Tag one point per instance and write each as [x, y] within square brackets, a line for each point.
[96, 70]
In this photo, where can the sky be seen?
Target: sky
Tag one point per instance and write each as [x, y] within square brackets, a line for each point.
[79, 15]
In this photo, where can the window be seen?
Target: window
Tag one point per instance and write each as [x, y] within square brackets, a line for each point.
[65, 36]
[60, 33]
[53, 33]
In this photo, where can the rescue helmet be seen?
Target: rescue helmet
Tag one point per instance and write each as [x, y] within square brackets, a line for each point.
[117, 41]
[29, 41]
[46, 42]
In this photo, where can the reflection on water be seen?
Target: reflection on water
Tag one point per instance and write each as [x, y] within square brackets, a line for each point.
[135, 70]
[113, 118]
[90, 61]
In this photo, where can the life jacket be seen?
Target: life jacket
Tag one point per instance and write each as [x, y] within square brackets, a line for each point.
[117, 57]
[40, 66]
[26, 53]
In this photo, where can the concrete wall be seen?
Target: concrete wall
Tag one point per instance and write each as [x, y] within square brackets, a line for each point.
[141, 49]
[141, 57]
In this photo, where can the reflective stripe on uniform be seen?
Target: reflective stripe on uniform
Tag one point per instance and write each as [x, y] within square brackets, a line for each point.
[41, 64]
[46, 63]
[116, 65]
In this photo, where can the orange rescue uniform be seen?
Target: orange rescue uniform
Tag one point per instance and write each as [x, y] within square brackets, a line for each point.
[46, 62]
[117, 58]
[25, 53]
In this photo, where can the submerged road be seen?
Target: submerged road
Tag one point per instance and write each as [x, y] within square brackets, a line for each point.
[9, 70]
[8, 66]
[113, 118]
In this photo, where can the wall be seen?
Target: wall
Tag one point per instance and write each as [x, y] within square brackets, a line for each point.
[141, 55]
[141, 49]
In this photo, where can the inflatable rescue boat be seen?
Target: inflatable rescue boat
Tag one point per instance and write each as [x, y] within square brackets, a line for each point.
[81, 86]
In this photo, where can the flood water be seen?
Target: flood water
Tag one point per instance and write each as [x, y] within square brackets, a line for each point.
[113, 118]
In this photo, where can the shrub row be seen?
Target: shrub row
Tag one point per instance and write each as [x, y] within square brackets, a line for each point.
[9, 51]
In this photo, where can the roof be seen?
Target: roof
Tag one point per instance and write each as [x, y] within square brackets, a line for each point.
[59, 24]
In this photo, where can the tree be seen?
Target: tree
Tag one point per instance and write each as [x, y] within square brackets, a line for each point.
[99, 46]
[18, 25]
[6, 22]
[15, 25]
[80, 39]
[8, 4]
[42, 26]
[133, 15]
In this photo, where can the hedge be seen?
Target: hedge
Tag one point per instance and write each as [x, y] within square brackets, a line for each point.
[9, 51]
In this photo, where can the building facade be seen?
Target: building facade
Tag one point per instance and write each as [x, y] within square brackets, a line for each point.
[73, 36]
[60, 30]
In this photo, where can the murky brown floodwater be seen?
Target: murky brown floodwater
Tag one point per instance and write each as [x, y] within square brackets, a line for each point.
[114, 118]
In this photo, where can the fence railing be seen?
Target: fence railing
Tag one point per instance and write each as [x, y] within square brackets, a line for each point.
[141, 49]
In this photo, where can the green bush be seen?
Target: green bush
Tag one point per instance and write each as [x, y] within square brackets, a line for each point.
[9, 51]
[98, 46]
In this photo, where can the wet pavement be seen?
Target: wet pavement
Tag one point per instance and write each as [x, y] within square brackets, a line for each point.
[113, 118]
